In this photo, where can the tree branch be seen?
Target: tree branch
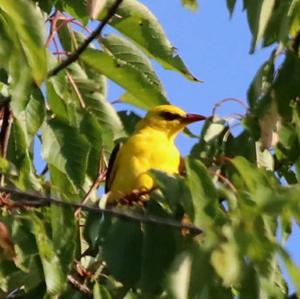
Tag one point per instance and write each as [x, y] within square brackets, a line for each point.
[75, 55]
[34, 200]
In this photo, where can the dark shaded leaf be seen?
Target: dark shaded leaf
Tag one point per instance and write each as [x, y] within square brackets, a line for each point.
[287, 86]
[122, 251]
[230, 6]
[129, 120]
[66, 149]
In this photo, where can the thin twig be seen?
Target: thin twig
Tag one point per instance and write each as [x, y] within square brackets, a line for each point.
[5, 133]
[37, 201]
[220, 103]
[101, 176]
[225, 180]
[77, 91]
[78, 285]
[75, 55]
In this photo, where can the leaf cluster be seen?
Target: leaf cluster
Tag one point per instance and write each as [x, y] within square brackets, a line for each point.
[244, 196]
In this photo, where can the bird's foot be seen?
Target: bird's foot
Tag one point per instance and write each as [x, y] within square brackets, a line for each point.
[136, 197]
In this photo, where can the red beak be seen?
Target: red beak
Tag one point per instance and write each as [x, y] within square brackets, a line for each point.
[190, 118]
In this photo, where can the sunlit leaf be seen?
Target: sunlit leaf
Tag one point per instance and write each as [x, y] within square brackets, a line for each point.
[29, 26]
[54, 276]
[179, 278]
[226, 262]
[264, 158]
[191, 4]
[123, 73]
[94, 7]
[259, 14]
[137, 22]
[77, 9]
[125, 51]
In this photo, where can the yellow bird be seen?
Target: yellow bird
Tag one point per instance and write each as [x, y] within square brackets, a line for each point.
[150, 147]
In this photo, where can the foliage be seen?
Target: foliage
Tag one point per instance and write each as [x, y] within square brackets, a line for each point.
[244, 198]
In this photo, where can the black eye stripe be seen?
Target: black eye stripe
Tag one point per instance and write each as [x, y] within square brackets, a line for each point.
[170, 115]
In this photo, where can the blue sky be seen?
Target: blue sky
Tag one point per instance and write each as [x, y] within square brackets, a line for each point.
[215, 47]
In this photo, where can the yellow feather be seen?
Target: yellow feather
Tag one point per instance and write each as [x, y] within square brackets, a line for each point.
[150, 147]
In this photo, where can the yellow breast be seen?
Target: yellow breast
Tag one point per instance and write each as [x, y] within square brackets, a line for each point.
[145, 150]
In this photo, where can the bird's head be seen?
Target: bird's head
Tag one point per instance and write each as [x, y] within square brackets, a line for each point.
[169, 119]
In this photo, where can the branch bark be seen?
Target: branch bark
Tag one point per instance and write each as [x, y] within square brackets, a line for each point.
[33, 200]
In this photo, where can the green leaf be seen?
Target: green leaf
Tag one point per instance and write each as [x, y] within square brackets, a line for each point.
[215, 128]
[77, 9]
[53, 273]
[7, 42]
[203, 192]
[259, 14]
[18, 154]
[264, 157]
[230, 6]
[122, 250]
[62, 184]
[191, 4]
[192, 276]
[120, 71]
[175, 192]
[225, 260]
[95, 7]
[250, 284]
[100, 292]
[264, 17]
[29, 25]
[62, 104]
[251, 176]
[292, 269]
[66, 149]
[128, 52]
[93, 89]
[129, 120]
[286, 86]
[277, 29]
[261, 82]
[160, 244]
[7, 167]
[90, 128]
[136, 22]
[235, 146]
[63, 223]
[178, 280]
[294, 13]
[30, 112]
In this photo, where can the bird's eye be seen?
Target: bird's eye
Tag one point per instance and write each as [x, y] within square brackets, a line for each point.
[170, 116]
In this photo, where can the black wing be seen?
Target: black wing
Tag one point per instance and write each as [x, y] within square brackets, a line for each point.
[110, 172]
